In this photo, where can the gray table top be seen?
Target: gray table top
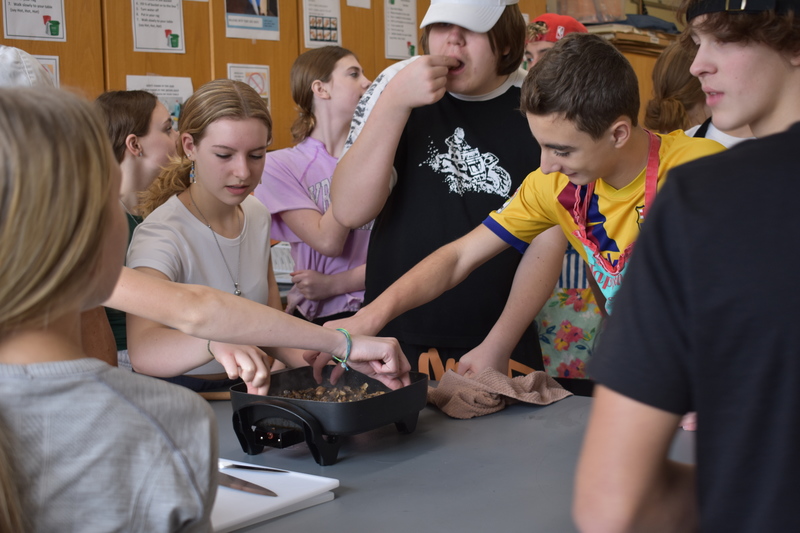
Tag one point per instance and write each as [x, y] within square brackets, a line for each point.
[509, 471]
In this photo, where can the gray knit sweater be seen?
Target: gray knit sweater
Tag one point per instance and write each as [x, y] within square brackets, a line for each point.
[100, 449]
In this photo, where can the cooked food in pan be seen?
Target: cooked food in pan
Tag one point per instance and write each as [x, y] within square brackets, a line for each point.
[332, 394]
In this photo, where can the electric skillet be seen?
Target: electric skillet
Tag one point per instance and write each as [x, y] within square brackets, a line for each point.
[278, 422]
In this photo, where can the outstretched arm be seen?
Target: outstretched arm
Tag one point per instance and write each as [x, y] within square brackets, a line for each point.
[158, 350]
[442, 270]
[208, 313]
[361, 182]
[534, 280]
[625, 482]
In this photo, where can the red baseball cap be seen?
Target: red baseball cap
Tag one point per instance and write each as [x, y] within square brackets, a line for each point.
[558, 26]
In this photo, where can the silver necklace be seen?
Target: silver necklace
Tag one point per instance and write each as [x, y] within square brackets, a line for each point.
[237, 292]
[130, 215]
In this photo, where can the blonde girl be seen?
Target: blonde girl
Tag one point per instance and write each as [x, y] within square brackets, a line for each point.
[67, 419]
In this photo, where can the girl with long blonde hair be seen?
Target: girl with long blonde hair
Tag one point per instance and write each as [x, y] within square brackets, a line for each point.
[68, 418]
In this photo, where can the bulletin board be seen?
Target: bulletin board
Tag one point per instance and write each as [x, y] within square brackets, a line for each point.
[533, 8]
[278, 55]
[99, 52]
[643, 66]
[121, 60]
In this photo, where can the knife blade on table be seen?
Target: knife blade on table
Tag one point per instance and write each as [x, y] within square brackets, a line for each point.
[226, 464]
[240, 484]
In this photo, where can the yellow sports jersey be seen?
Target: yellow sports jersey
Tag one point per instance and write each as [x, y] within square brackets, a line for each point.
[613, 216]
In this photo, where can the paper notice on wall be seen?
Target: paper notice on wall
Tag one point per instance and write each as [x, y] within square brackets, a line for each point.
[365, 4]
[321, 23]
[51, 64]
[172, 91]
[158, 26]
[34, 20]
[252, 19]
[400, 28]
[256, 76]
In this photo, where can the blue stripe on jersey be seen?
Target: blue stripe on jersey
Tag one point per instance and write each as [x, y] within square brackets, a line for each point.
[504, 234]
[573, 271]
[596, 228]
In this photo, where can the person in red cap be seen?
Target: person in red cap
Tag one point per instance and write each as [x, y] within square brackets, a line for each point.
[545, 31]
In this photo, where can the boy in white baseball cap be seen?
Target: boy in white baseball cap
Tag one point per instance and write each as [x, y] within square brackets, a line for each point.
[442, 127]
[479, 16]
[20, 69]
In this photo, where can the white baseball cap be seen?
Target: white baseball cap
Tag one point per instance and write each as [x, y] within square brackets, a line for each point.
[479, 16]
[20, 69]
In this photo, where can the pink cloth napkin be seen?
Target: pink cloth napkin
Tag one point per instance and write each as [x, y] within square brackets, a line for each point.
[489, 392]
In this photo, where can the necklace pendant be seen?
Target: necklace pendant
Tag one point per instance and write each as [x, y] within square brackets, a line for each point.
[237, 292]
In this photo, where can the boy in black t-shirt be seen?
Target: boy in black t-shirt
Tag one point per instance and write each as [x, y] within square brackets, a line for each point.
[447, 127]
[727, 351]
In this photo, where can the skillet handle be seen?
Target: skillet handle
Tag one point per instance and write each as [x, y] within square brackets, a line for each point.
[244, 418]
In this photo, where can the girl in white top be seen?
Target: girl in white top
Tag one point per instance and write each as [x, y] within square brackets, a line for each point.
[202, 227]
[197, 309]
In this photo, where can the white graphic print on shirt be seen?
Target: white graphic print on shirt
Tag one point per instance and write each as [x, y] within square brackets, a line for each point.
[468, 170]
[323, 189]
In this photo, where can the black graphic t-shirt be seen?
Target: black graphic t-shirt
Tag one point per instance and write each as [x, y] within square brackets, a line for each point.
[457, 160]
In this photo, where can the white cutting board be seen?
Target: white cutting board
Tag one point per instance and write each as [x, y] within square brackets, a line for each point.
[234, 509]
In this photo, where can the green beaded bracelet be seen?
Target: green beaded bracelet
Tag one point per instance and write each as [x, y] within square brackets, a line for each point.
[347, 351]
[208, 347]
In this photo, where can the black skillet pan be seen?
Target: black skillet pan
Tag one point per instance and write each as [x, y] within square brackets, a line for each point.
[276, 421]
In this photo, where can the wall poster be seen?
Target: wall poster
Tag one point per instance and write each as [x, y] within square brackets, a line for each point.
[321, 24]
[256, 76]
[252, 19]
[34, 20]
[400, 28]
[158, 26]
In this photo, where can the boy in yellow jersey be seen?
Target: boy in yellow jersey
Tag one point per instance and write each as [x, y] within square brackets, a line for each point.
[600, 172]
[599, 175]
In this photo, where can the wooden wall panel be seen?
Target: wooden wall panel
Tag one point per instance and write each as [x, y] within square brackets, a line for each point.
[358, 33]
[279, 55]
[121, 60]
[81, 56]
[643, 66]
[533, 8]
[98, 54]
